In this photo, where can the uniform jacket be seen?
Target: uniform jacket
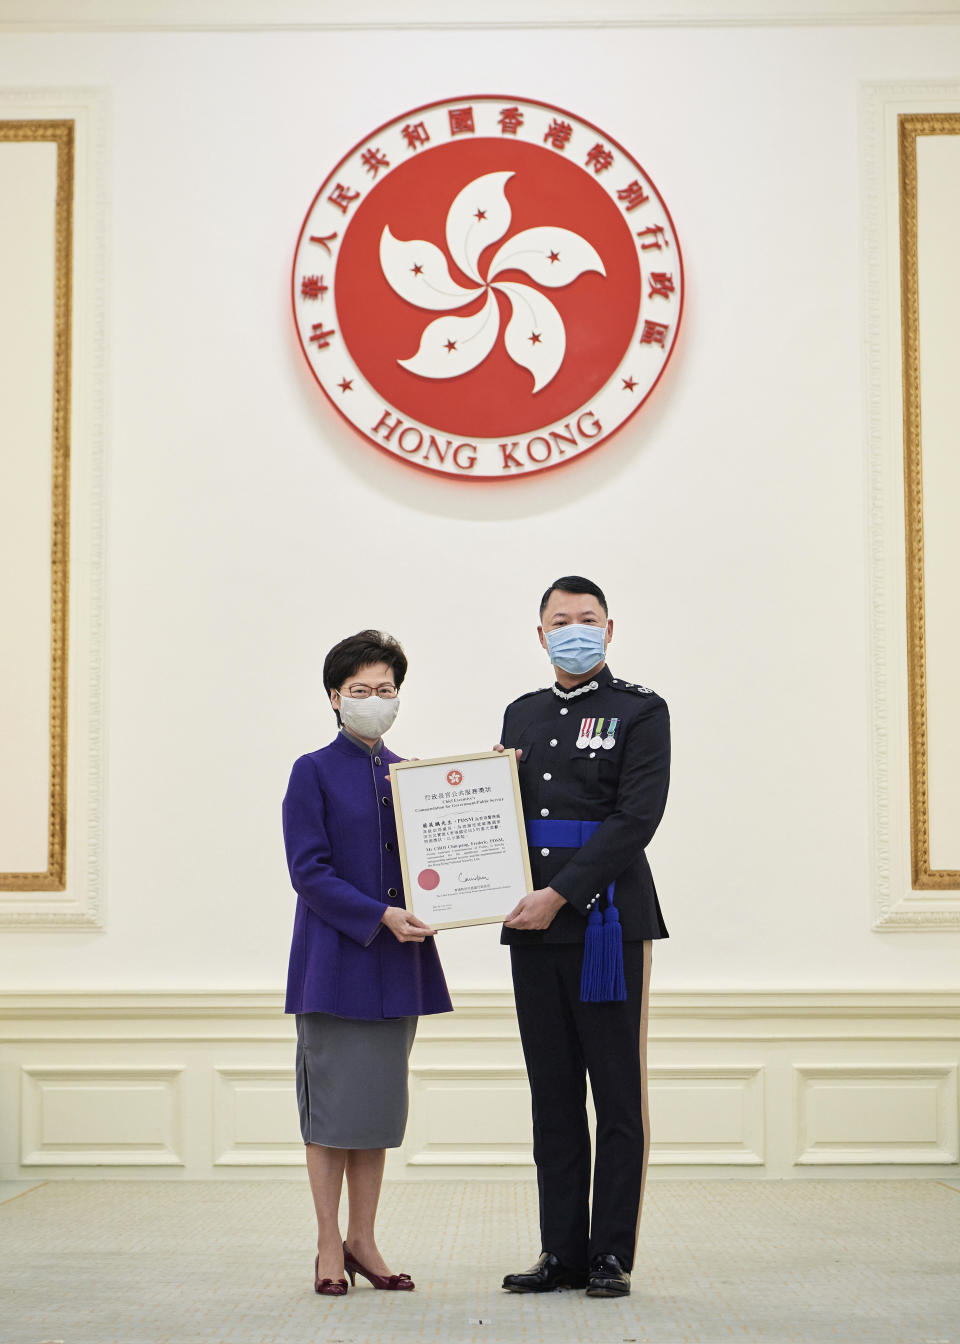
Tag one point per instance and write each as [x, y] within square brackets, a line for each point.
[622, 785]
[341, 840]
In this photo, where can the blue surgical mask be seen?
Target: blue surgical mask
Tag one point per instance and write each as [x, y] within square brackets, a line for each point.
[576, 648]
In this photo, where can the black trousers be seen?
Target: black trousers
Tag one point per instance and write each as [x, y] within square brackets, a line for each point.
[565, 1040]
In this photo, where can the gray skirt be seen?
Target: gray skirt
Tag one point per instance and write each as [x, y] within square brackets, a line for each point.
[352, 1080]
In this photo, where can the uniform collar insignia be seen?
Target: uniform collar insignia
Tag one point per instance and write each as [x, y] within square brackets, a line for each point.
[572, 695]
[602, 678]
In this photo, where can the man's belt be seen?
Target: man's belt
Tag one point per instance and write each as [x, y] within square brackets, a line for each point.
[601, 979]
[542, 832]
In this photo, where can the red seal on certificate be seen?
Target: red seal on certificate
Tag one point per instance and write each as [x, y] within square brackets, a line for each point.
[487, 287]
[429, 879]
[454, 777]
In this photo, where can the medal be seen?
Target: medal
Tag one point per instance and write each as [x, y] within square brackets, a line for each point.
[610, 741]
[586, 732]
[597, 742]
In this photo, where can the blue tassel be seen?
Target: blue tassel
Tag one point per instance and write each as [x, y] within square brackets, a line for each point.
[591, 975]
[614, 984]
[602, 979]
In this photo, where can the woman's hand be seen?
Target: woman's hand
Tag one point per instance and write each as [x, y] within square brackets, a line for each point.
[406, 928]
[501, 747]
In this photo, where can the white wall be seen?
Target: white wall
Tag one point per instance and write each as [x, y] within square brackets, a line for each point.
[248, 529]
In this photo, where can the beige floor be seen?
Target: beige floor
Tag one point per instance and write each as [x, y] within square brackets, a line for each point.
[94, 1262]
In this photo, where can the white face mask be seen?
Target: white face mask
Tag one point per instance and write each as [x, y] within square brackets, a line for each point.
[369, 718]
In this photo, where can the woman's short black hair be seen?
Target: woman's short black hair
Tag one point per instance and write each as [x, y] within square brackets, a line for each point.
[573, 583]
[368, 646]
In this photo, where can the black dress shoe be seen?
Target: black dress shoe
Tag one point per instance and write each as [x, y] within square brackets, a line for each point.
[608, 1278]
[544, 1277]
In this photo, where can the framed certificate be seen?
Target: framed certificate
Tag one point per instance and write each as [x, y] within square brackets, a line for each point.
[463, 843]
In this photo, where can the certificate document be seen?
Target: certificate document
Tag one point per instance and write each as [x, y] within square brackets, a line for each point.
[463, 843]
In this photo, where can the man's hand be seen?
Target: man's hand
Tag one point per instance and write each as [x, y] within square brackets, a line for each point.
[406, 928]
[536, 910]
[501, 747]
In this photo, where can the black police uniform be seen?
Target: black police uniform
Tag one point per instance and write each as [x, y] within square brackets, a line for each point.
[599, 752]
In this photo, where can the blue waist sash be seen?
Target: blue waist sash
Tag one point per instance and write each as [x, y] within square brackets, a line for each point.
[560, 834]
[601, 979]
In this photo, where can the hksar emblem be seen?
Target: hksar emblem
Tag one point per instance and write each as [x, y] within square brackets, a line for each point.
[454, 777]
[488, 287]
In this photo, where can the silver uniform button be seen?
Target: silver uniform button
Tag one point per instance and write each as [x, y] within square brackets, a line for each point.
[553, 741]
[544, 811]
[592, 754]
[544, 852]
[564, 710]
[546, 776]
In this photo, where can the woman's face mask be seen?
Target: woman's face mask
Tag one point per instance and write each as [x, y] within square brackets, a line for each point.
[370, 717]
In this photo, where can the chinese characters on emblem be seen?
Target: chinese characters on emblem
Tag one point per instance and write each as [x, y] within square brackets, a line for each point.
[558, 134]
[373, 160]
[324, 242]
[656, 232]
[415, 134]
[320, 336]
[599, 158]
[343, 197]
[313, 287]
[461, 121]
[654, 333]
[632, 195]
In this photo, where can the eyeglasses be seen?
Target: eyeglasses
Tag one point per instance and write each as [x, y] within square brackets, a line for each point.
[361, 692]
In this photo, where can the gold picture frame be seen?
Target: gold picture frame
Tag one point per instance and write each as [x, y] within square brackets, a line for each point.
[62, 134]
[910, 127]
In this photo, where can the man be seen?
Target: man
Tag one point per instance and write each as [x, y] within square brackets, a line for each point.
[594, 763]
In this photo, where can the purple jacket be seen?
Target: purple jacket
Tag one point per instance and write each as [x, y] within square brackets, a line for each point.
[341, 838]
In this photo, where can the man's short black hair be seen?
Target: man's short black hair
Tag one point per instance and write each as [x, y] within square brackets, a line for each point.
[368, 646]
[573, 583]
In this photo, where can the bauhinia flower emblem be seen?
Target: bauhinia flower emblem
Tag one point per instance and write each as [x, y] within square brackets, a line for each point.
[535, 336]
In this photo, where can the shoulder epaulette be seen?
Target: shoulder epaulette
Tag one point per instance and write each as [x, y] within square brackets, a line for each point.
[527, 694]
[633, 686]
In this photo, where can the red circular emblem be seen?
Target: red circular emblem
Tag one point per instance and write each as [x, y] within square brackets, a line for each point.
[487, 287]
[454, 777]
[429, 879]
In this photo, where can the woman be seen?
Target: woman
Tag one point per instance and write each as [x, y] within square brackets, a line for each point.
[362, 969]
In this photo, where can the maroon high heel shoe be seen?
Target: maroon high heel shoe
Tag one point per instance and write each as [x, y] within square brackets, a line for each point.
[327, 1287]
[394, 1283]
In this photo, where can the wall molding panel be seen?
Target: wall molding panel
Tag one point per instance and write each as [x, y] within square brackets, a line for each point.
[200, 1085]
[71, 897]
[255, 1116]
[707, 1115]
[876, 1114]
[85, 1115]
[903, 901]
